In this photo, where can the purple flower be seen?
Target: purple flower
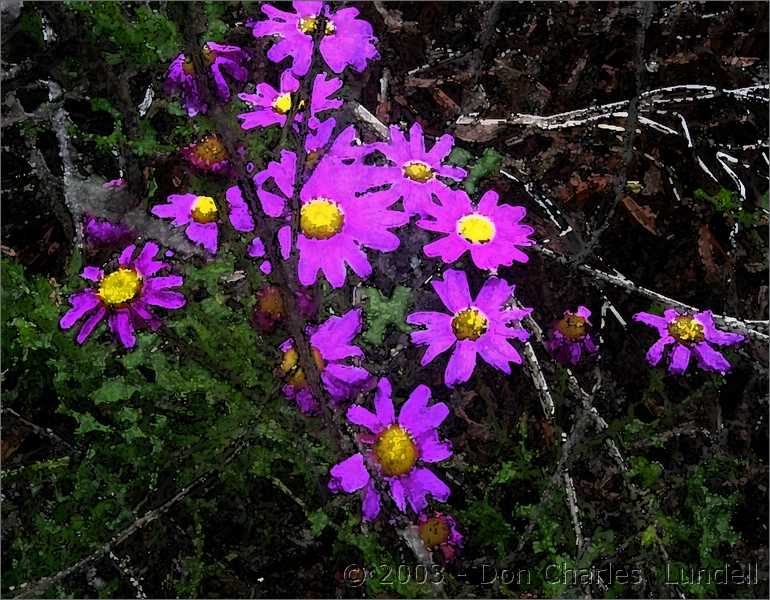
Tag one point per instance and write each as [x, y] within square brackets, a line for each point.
[114, 184]
[570, 337]
[415, 175]
[489, 231]
[273, 106]
[208, 155]
[338, 216]
[124, 296]
[689, 334]
[346, 40]
[398, 449]
[99, 233]
[331, 344]
[439, 530]
[222, 59]
[200, 214]
[482, 326]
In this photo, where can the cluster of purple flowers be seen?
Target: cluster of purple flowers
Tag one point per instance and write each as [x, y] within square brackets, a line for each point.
[355, 197]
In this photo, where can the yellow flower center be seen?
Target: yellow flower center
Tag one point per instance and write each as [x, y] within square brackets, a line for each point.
[208, 54]
[686, 330]
[476, 229]
[307, 25]
[434, 532]
[418, 171]
[282, 104]
[321, 219]
[572, 326]
[187, 66]
[469, 324]
[270, 302]
[210, 150]
[120, 287]
[291, 369]
[204, 210]
[395, 451]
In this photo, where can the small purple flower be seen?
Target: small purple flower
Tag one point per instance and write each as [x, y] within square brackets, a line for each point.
[200, 214]
[482, 326]
[114, 184]
[398, 449]
[124, 296]
[338, 216]
[439, 530]
[100, 233]
[689, 334]
[222, 59]
[331, 344]
[346, 40]
[570, 337]
[208, 155]
[489, 231]
[415, 176]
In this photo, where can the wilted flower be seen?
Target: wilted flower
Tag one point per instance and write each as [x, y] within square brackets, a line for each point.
[346, 40]
[221, 59]
[416, 173]
[201, 215]
[689, 334]
[482, 326]
[100, 233]
[207, 155]
[490, 232]
[270, 309]
[124, 295]
[439, 530]
[331, 346]
[398, 450]
[570, 336]
[338, 217]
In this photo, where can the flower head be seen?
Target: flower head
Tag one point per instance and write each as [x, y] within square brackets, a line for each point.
[221, 59]
[124, 295]
[338, 215]
[570, 336]
[346, 40]
[482, 326]
[398, 449]
[209, 154]
[689, 334]
[100, 233]
[439, 530]
[490, 232]
[270, 309]
[416, 173]
[201, 215]
[331, 345]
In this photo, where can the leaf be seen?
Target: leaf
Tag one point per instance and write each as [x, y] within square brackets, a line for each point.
[318, 522]
[114, 390]
[381, 312]
[641, 214]
[487, 166]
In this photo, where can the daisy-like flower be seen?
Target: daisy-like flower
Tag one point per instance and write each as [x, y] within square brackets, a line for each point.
[490, 231]
[346, 39]
[200, 215]
[101, 233]
[570, 337]
[208, 155]
[689, 334]
[399, 447]
[331, 345]
[338, 217]
[124, 296]
[439, 530]
[416, 173]
[483, 325]
[222, 59]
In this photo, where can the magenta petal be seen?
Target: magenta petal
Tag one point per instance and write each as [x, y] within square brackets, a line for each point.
[371, 502]
[365, 418]
[655, 353]
[493, 295]
[82, 303]
[90, 324]
[120, 323]
[399, 493]
[125, 257]
[345, 381]
[660, 323]
[92, 274]
[145, 263]
[712, 334]
[417, 417]
[383, 403]
[453, 290]
[240, 217]
[432, 449]
[709, 359]
[204, 234]
[165, 299]
[680, 358]
[419, 483]
[350, 475]
[461, 364]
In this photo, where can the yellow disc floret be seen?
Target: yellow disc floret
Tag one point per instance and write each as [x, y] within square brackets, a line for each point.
[204, 210]
[572, 326]
[282, 104]
[395, 451]
[686, 330]
[210, 150]
[307, 25]
[476, 229]
[434, 532]
[187, 66]
[469, 324]
[321, 219]
[292, 371]
[120, 287]
[418, 171]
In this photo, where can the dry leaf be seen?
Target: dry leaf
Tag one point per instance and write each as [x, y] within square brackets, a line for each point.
[707, 244]
[641, 214]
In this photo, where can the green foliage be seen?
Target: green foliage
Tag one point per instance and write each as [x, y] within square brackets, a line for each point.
[488, 165]
[727, 202]
[381, 312]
